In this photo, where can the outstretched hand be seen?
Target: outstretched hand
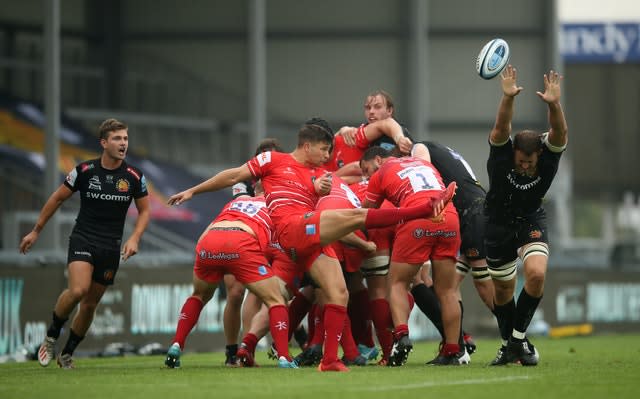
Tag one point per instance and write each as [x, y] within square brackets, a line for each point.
[28, 241]
[179, 198]
[552, 90]
[509, 77]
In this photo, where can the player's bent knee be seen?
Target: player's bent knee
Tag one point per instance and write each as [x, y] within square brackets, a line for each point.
[375, 266]
[504, 272]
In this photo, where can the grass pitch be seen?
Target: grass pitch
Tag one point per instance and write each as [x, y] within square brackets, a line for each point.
[596, 367]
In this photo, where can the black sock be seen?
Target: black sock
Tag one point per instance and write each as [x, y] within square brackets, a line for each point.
[428, 303]
[72, 343]
[231, 350]
[56, 326]
[525, 310]
[505, 314]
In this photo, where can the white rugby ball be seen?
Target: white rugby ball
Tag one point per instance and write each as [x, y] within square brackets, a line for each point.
[492, 59]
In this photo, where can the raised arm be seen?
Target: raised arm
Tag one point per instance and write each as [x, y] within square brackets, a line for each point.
[48, 209]
[226, 178]
[552, 93]
[502, 128]
[391, 128]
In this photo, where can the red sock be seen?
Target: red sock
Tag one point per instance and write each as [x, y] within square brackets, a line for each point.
[189, 315]
[298, 308]
[251, 341]
[318, 329]
[334, 319]
[400, 331]
[450, 349]
[279, 327]
[360, 314]
[390, 216]
[381, 316]
[349, 347]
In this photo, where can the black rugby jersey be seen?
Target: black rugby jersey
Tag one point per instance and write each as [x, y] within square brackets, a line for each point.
[512, 194]
[105, 196]
[453, 167]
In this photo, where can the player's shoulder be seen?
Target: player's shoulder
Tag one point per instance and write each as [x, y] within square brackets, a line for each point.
[91, 165]
[132, 170]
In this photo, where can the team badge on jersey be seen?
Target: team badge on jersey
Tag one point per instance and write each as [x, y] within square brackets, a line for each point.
[262, 270]
[122, 185]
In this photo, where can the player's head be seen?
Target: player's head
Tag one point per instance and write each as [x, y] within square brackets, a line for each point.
[372, 159]
[109, 126]
[527, 146]
[315, 138]
[378, 105]
[114, 138]
[268, 144]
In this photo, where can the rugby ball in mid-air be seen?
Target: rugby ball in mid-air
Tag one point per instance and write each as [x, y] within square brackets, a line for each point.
[492, 59]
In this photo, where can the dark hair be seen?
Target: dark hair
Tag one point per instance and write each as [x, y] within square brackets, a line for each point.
[527, 141]
[387, 98]
[108, 126]
[268, 144]
[315, 130]
[375, 151]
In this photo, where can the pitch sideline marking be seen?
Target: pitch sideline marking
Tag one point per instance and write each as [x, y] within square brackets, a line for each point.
[436, 384]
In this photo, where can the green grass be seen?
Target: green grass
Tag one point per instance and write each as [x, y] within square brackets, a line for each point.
[582, 367]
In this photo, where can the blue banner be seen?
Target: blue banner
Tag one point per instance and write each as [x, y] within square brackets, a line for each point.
[601, 43]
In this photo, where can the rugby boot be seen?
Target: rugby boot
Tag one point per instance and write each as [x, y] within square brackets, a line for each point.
[46, 352]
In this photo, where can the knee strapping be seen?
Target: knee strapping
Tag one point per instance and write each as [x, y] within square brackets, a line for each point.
[537, 248]
[462, 268]
[480, 273]
[375, 266]
[505, 272]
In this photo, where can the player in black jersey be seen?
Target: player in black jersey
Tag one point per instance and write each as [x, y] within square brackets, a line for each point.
[520, 173]
[469, 202]
[378, 105]
[107, 186]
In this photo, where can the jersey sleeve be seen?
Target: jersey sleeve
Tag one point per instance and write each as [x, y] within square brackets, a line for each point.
[258, 164]
[361, 138]
[374, 191]
[71, 181]
[140, 186]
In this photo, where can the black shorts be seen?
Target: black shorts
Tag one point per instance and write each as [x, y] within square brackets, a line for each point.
[105, 261]
[472, 229]
[502, 239]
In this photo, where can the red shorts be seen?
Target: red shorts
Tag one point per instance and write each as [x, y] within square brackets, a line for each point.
[382, 237]
[299, 237]
[419, 240]
[230, 252]
[284, 267]
[352, 257]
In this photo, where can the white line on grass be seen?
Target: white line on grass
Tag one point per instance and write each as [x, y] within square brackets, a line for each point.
[441, 383]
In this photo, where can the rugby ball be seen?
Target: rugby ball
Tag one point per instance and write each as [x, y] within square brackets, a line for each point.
[492, 59]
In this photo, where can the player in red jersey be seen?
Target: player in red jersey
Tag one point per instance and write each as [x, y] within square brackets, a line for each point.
[235, 243]
[404, 182]
[293, 183]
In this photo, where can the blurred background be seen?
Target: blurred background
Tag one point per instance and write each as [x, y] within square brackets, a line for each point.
[200, 83]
